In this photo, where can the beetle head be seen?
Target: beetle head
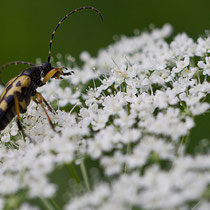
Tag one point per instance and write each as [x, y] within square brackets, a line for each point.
[46, 67]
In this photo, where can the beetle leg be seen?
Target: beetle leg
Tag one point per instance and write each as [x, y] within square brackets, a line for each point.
[46, 103]
[34, 99]
[17, 109]
[40, 100]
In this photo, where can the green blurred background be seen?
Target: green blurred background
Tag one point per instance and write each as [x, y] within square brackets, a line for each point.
[26, 25]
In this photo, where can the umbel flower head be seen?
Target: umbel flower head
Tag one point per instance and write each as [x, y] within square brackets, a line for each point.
[124, 121]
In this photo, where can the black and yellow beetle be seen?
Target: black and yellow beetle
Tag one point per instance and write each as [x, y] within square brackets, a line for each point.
[21, 89]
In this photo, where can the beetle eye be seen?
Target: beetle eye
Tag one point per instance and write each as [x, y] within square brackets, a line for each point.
[46, 66]
[42, 73]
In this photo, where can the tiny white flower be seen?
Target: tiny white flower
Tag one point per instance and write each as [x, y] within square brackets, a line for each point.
[5, 138]
[180, 65]
[113, 165]
[205, 66]
[14, 129]
[203, 46]
[183, 45]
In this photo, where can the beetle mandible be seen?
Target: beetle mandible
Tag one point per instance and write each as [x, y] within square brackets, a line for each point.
[19, 91]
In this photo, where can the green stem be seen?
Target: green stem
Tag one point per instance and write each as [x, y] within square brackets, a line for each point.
[47, 204]
[124, 87]
[203, 100]
[184, 139]
[182, 143]
[128, 151]
[181, 102]
[129, 108]
[192, 62]
[84, 174]
[55, 204]
[72, 172]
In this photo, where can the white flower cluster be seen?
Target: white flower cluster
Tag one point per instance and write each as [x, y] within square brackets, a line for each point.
[156, 189]
[131, 112]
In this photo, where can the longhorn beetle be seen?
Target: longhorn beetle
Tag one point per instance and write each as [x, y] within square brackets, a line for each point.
[21, 89]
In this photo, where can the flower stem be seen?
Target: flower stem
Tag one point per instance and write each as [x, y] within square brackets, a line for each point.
[55, 204]
[73, 173]
[128, 151]
[47, 204]
[184, 139]
[182, 144]
[84, 174]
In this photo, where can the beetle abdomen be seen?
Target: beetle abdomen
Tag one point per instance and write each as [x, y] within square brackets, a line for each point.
[6, 117]
[20, 86]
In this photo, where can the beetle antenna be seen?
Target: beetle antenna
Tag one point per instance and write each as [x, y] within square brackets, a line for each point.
[65, 17]
[14, 63]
